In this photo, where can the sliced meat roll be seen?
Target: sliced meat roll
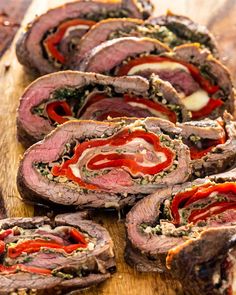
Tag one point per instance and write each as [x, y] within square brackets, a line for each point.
[95, 164]
[59, 97]
[186, 31]
[51, 38]
[203, 83]
[212, 144]
[60, 255]
[188, 231]
[172, 30]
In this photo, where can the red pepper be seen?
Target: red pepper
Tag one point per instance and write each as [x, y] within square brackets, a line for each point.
[119, 161]
[92, 99]
[178, 199]
[6, 233]
[184, 199]
[2, 247]
[203, 192]
[33, 246]
[56, 111]
[77, 236]
[194, 71]
[124, 69]
[198, 154]
[212, 209]
[129, 161]
[163, 110]
[21, 267]
[54, 39]
[211, 106]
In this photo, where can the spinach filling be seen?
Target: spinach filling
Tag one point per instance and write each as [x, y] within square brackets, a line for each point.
[183, 32]
[74, 96]
[160, 33]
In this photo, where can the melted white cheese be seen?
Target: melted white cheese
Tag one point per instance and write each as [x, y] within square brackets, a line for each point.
[196, 101]
[75, 170]
[78, 27]
[153, 111]
[165, 65]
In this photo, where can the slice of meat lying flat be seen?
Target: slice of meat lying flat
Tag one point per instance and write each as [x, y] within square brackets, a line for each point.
[188, 231]
[203, 83]
[60, 255]
[50, 39]
[56, 98]
[102, 164]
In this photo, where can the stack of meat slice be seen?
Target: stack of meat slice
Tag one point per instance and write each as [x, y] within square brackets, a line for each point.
[58, 97]
[59, 255]
[188, 230]
[172, 30]
[202, 82]
[50, 39]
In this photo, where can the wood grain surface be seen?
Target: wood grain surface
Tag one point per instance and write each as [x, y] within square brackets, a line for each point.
[218, 15]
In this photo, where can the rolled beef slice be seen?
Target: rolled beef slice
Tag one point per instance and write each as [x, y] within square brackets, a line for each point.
[174, 230]
[202, 82]
[102, 164]
[186, 29]
[63, 254]
[51, 37]
[172, 30]
[58, 97]
[211, 142]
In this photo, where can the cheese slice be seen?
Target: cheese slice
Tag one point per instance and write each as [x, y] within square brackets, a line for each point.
[72, 28]
[75, 170]
[153, 111]
[196, 101]
[157, 66]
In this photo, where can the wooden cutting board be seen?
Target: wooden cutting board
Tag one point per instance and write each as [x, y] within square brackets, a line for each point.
[219, 16]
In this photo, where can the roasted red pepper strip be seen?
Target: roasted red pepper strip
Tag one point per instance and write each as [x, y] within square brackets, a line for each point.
[117, 140]
[33, 246]
[2, 247]
[124, 69]
[212, 209]
[128, 160]
[184, 199]
[167, 113]
[21, 267]
[54, 39]
[93, 99]
[77, 236]
[194, 71]
[180, 200]
[211, 106]
[198, 154]
[203, 192]
[55, 108]
[6, 233]
[177, 200]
